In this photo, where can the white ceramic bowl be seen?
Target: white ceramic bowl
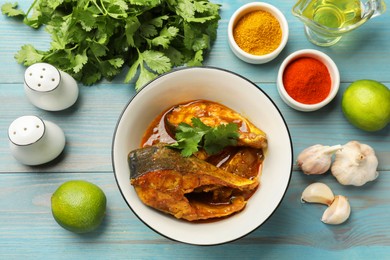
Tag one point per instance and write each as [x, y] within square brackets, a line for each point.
[228, 89]
[250, 7]
[333, 71]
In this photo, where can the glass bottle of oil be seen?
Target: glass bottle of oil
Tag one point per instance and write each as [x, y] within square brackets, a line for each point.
[334, 13]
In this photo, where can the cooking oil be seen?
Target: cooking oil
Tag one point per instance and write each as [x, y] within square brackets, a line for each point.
[334, 13]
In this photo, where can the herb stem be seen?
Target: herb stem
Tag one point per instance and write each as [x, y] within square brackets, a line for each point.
[105, 10]
[98, 7]
[31, 7]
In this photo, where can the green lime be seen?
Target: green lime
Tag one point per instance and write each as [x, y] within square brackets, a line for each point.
[366, 104]
[78, 206]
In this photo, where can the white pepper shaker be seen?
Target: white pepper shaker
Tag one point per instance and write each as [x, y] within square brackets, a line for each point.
[49, 88]
[34, 141]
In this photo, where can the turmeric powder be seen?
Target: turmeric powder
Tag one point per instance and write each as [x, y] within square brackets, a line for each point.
[258, 33]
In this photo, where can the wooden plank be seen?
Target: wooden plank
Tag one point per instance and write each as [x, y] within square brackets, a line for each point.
[28, 230]
[27, 226]
[89, 127]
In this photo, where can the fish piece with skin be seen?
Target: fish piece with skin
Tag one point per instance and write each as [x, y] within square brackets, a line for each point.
[163, 179]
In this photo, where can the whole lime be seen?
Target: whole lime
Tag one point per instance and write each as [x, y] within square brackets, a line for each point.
[78, 206]
[366, 104]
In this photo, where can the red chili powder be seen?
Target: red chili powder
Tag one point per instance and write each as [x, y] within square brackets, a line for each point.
[307, 80]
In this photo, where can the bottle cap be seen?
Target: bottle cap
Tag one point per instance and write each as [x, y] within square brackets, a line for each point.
[34, 141]
[26, 130]
[49, 88]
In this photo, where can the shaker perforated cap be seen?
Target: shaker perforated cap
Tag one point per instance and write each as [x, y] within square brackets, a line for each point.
[26, 130]
[42, 77]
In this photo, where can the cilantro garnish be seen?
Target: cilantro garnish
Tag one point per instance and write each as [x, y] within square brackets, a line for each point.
[92, 40]
[211, 139]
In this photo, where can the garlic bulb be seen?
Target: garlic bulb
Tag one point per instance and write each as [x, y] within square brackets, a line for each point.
[316, 159]
[356, 164]
[318, 193]
[338, 212]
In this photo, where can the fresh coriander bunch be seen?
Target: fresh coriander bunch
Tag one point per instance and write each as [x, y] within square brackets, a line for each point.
[95, 39]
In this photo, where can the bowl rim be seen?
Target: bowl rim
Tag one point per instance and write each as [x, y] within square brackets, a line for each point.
[253, 85]
[253, 6]
[324, 59]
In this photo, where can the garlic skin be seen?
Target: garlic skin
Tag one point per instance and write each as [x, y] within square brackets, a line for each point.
[338, 212]
[316, 159]
[356, 164]
[317, 192]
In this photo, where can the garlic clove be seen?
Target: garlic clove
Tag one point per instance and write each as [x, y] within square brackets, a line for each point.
[338, 212]
[316, 159]
[317, 193]
[356, 164]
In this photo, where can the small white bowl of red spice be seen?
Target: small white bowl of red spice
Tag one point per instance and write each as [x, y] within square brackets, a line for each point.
[257, 32]
[308, 80]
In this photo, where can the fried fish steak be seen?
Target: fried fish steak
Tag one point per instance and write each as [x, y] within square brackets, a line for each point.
[187, 188]
[214, 114]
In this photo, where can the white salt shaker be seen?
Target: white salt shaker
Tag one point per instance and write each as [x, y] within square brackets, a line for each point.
[34, 141]
[49, 88]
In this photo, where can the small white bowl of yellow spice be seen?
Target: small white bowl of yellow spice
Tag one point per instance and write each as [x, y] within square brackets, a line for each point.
[257, 32]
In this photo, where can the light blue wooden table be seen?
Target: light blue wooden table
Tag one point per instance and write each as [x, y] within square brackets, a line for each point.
[28, 230]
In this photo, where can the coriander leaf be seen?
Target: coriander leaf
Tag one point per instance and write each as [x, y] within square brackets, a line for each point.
[201, 43]
[184, 128]
[201, 6]
[132, 25]
[144, 77]
[151, 3]
[91, 74]
[206, 7]
[159, 21]
[213, 139]
[197, 59]
[79, 61]
[220, 137]
[188, 139]
[185, 8]
[117, 63]
[200, 126]
[86, 19]
[121, 4]
[10, 9]
[63, 59]
[157, 61]
[197, 11]
[28, 55]
[154, 60]
[132, 71]
[116, 8]
[165, 37]
[108, 68]
[175, 56]
[60, 34]
[97, 49]
[211, 30]
[189, 36]
[148, 30]
[54, 3]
